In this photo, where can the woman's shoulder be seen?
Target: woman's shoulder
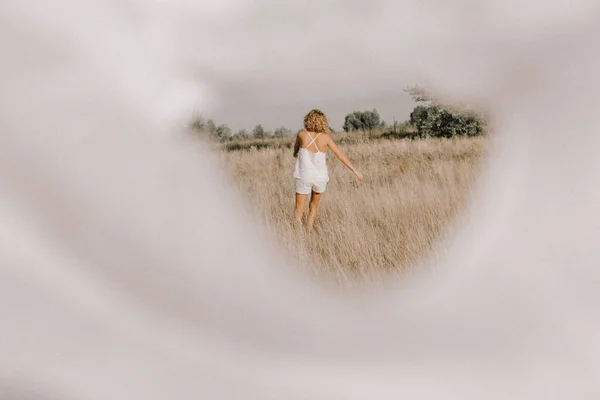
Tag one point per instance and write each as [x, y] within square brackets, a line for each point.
[304, 133]
[327, 136]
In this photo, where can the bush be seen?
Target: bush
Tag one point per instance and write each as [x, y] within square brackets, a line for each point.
[400, 131]
[435, 121]
[431, 118]
[258, 144]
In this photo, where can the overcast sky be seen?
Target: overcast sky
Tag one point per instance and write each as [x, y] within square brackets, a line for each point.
[271, 64]
[281, 109]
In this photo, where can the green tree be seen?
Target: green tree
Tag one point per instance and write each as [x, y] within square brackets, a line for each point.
[363, 121]
[281, 132]
[210, 127]
[223, 132]
[198, 124]
[432, 118]
[258, 132]
[241, 134]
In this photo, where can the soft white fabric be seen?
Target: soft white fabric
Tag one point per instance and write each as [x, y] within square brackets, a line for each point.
[305, 187]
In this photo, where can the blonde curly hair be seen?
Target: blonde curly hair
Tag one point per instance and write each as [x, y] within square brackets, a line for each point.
[316, 121]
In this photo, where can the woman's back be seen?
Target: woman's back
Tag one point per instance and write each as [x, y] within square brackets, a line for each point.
[313, 142]
[311, 163]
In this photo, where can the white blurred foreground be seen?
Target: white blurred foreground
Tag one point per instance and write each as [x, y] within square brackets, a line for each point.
[117, 280]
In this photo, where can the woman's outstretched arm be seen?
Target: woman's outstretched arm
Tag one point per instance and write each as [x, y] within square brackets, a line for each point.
[342, 157]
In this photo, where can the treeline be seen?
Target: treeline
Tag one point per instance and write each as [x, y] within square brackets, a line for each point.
[434, 118]
[430, 118]
[224, 133]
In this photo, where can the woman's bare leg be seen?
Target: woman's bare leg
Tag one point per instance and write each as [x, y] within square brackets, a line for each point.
[300, 207]
[312, 209]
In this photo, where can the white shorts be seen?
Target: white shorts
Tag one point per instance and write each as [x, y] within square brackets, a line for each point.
[305, 187]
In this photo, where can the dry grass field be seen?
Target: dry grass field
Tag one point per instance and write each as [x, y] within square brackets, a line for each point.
[389, 222]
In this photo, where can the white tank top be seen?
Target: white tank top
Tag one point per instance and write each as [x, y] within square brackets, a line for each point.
[311, 166]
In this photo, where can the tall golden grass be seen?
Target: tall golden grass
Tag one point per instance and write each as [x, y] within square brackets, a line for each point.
[389, 222]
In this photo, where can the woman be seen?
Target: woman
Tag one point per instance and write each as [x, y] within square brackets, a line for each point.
[311, 171]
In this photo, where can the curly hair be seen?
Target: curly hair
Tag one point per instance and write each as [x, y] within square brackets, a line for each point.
[316, 121]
